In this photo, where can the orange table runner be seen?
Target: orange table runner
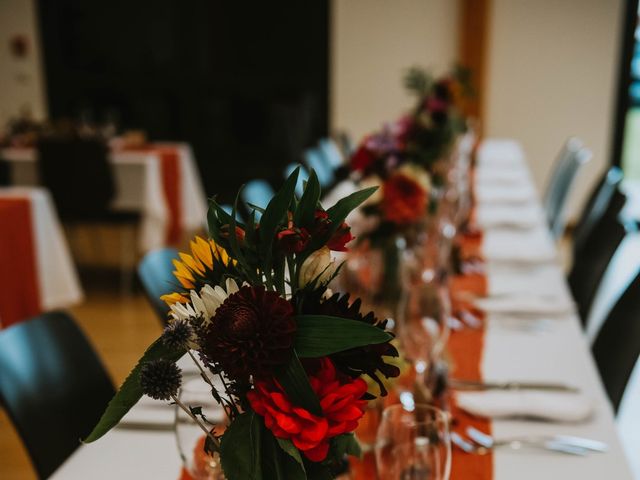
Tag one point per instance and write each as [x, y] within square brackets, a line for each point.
[171, 185]
[19, 289]
[465, 348]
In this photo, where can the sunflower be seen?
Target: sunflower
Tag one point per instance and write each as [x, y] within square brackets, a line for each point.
[193, 269]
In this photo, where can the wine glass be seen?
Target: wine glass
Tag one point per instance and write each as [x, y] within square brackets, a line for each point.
[413, 443]
[190, 437]
[423, 315]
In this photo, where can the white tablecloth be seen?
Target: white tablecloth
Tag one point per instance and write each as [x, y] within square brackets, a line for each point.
[138, 178]
[557, 353]
[56, 274]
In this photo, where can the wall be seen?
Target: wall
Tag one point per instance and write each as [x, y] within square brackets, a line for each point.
[21, 80]
[551, 74]
[373, 42]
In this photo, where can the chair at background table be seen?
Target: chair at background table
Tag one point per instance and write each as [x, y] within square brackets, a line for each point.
[617, 345]
[53, 386]
[155, 272]
[571, 158]
[78, 174]
[257, 192]
[315, 159]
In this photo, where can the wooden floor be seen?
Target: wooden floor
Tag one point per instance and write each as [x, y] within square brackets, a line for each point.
[120, 328]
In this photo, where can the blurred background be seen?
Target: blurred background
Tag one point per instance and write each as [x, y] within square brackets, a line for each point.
[224, 93]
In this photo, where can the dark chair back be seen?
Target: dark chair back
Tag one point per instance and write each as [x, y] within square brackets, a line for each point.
[155, 271]
[591, 261]
[617, 345]
[78, 174]
[52, 385]
[606, 199]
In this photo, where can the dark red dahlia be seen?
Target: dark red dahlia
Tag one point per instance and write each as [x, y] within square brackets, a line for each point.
[251, 333]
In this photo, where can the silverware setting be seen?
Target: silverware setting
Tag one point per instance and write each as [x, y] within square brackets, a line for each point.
[472, 385]
[480, 443]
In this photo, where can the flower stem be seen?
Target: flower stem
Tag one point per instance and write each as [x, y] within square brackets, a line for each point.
[187, 410]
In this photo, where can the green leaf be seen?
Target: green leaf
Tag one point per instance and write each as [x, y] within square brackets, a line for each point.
[130, 391]
[295, 382]
[276, 212]
[241, 448]
[290, 449]
[305, 212]
[345, 205]
[322, 335]
[278, 465]
[346, 444]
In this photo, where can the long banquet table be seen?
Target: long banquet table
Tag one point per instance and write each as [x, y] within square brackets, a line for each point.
[550, 348]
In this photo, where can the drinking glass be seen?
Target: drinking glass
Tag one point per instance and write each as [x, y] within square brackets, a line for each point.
[413, 443]
[422, 320]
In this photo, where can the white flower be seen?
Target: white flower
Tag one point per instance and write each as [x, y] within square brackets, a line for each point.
[204, 304]
[318, 267]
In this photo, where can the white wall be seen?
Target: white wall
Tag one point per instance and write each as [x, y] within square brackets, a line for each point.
[372, 43]
[551, 74]
[21, 80]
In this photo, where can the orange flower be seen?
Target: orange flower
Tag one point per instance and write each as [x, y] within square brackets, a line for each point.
[404, 199]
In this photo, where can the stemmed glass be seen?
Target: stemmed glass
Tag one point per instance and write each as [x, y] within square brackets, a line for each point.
[413, 443]
[423, 314]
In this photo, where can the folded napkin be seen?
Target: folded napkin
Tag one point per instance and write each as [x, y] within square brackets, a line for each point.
[526, 304]
[505, 215]
[505, 193]
[541, 281]
[519, 246]
[549, 406]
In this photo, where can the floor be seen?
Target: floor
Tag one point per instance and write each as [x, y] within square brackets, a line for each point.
[120, 328]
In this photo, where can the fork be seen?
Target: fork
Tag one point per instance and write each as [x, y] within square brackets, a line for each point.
[470, 446]
[584, 443]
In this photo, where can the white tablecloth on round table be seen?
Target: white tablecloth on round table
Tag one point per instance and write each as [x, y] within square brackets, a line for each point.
[57, 277]
[138, 178]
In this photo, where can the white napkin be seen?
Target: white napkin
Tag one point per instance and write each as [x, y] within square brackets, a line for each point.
[531, 246]
[496, 151]
[527, 304]
[505, 193]
[550, 406]
[507, 215]
[543, 280]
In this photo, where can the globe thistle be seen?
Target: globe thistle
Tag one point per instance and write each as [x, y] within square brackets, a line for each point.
[160, 379]
[178, 335]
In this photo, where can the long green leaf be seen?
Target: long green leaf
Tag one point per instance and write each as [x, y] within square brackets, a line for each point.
[274, 215]
[130, 391]
[241, 447]
[322, 335]
[305, 211]
[295, 382]
[346, 444]
[344, 206]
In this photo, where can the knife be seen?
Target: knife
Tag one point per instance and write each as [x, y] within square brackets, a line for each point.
[460, 384]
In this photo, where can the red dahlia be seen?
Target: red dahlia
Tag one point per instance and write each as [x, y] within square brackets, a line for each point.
[404, 200]
[251, 333]
[340, 400]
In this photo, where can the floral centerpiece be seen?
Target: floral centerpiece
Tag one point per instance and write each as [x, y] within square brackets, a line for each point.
[255, 312]
[409, 161]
